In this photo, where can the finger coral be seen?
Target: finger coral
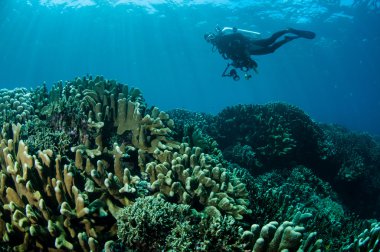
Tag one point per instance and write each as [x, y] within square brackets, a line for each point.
[368, 240]
[152, 224]
[15, 105]
[115, 151]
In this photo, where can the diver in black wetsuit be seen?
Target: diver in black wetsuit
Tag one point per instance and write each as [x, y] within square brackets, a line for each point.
[239, 47]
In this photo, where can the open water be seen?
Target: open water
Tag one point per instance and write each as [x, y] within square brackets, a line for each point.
[158, 46]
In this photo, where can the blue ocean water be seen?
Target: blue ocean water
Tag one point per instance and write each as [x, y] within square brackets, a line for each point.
[158, 46]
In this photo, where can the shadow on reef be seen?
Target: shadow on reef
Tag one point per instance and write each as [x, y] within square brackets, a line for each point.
[279, 136]
[87, 166]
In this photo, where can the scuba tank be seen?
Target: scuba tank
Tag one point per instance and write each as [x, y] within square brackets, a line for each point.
[230, 30]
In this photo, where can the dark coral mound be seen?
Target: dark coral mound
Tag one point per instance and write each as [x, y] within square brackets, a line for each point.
[353, 167]
[265, 137]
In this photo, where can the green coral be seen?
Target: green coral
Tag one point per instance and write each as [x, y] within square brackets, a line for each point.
[192, 128]
[15, 106]
[38, 135]
[368, 240]
[152, 224]
[146, 224]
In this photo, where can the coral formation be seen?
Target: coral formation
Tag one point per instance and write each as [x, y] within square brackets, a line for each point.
[147, 223]
[45, 203]
[280, 195]
[192, 177]
[87, 161]
[15, 105]
[347, 160]
[352, 165]
[353, 153]
[192, 128]
[115, 151]
[368, 240]
[152, 224]
[279, 134]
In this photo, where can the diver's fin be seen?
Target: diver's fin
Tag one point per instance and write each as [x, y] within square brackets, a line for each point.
[303, 34]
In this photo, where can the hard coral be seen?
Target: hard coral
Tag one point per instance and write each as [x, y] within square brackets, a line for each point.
[352, 166]
[280, 195]
[152, 224]
[192, 177]
[45, 203]
[68, 199]
[368, 240]
[278, 133]
[146, 224]
[15, 106]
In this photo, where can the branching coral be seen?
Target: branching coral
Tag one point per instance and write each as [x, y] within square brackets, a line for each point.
[193, 128]
[368, 240]
[146, 224]
[46, 203]
[152, 224]
[68, 199]
[191, 177]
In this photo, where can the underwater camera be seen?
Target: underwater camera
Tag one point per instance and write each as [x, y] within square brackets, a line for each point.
[232, 73]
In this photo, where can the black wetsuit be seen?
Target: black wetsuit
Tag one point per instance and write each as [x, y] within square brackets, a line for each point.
[239, 48]
[235, 46]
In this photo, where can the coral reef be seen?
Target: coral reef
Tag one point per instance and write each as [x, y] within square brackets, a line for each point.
[368, 240]
[263, 137]
[352, 166]
[194, 178]
[87, 162]
[280, 195]
[192, 128]
[66, 190]
[152, 224]
[147, 223]
[352, 153]
[15, 105]
[46, 202]
[251, 136]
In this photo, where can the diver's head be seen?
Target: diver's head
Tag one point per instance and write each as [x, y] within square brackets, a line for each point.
[209, 37]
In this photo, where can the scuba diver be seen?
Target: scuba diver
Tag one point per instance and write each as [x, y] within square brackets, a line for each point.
[238, 45]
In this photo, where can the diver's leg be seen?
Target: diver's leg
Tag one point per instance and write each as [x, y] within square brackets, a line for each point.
[302, 33]
[271, 47]
[270, 40]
